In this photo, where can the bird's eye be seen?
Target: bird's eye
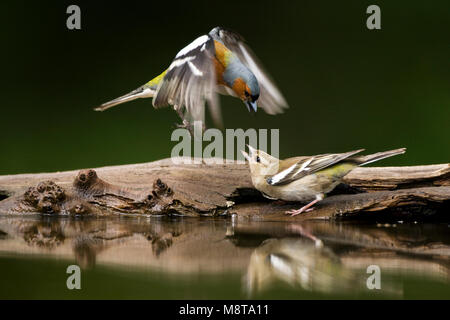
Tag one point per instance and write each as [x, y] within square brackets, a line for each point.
[258, 159]
[247, 94]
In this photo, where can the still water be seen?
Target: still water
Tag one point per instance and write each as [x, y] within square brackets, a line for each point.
[206, 258]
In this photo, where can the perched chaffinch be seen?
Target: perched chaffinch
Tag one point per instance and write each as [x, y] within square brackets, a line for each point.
[219, 62]
[305, 179]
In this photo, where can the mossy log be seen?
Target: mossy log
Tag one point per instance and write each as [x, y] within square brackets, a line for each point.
[162, 187]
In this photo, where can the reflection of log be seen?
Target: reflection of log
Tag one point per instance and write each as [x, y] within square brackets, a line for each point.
[185, 246]
[220, 248]
[162, 187]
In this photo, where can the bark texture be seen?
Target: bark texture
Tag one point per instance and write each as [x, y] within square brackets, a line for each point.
[162, 187]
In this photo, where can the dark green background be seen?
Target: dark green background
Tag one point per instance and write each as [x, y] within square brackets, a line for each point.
[348, 87]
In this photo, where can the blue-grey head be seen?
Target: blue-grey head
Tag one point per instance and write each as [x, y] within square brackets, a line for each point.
[244, 84]
[236, 75]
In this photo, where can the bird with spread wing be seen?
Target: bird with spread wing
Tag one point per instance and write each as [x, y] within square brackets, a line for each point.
[219, 62]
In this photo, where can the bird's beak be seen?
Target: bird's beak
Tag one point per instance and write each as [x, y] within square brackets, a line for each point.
[251, 106]
[251, 149]
[246, 156]
[250, 153]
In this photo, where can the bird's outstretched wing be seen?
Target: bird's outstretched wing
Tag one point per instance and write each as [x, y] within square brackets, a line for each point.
[306, 166]
[270, 99]
[190, 80]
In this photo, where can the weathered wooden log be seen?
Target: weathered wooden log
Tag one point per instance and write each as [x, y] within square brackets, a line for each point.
[163, 187]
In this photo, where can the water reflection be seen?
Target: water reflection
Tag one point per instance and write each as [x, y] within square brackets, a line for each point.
[317, 256]
[45, 235]
[296, 262]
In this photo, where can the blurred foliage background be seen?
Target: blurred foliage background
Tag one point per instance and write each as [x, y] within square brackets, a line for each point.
[348, 87]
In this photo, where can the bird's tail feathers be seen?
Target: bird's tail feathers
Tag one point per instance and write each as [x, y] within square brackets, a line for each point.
[142, 92]
[379, 155]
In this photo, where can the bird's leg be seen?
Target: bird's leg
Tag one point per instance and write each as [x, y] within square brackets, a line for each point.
[306, 208]
[179, 111]
[185, 123]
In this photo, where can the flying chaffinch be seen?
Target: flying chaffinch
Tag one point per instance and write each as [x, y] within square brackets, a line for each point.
[307, 178]
[219, 62]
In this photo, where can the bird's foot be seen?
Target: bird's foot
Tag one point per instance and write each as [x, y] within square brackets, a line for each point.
[293, 213]
[306, 208]
[184, 125]
[194, 130]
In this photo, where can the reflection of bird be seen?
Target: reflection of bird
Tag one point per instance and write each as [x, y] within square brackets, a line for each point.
[219, 62]
[298, 263]
[305, 178]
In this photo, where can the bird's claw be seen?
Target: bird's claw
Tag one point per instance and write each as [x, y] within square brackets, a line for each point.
[293, 213]
[193, 130]
[184, 125]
